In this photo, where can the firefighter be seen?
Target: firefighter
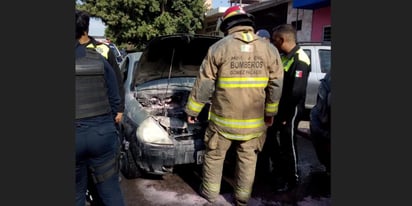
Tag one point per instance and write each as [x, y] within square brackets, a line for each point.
[242, 77]
[97, 103]
[280, 146]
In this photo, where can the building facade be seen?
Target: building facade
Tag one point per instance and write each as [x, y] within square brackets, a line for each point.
[311, 18]
[320, 20]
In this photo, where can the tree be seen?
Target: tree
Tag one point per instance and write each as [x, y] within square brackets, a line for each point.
[137, 21]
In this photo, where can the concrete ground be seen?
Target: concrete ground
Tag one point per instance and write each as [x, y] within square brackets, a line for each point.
[180, 187]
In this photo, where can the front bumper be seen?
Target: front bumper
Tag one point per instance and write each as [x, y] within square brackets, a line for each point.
[160, 159]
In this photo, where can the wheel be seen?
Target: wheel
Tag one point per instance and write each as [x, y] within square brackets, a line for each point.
[127, 163]
[128, 166]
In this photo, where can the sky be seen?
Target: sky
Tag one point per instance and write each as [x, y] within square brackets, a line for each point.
[96, 27]
[217, 3]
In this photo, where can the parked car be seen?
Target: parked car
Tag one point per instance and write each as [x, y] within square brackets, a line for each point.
[116, 52]
[157, 81]
[320, 57]
[112, 46]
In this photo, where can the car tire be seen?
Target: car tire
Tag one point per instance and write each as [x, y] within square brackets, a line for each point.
[128, 166]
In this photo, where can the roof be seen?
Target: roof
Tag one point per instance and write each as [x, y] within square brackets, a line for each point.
[310, 4]
[324, 43]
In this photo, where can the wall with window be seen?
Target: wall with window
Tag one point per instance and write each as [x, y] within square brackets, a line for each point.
[302, 19]
[321, 24]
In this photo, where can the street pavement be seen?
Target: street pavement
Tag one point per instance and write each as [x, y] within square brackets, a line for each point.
[180, 187]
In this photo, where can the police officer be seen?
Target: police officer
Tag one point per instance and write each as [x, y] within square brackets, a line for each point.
[97, 102]
[108, 54]
[242, 74]
[264, 34]
[281, 138]
[320, 120]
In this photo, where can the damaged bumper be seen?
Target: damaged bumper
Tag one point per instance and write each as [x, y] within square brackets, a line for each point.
[160, 159]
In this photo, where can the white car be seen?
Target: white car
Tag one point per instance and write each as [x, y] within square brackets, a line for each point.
[112, 46]
[320, 57]
[116, 52]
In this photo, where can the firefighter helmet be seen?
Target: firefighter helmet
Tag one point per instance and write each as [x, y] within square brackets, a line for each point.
[234, 16]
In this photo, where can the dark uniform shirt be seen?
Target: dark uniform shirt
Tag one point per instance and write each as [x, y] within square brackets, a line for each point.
[295, 81]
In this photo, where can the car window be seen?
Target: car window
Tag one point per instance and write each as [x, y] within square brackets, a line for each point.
[124, 69]
[116, 52]
[324, 56]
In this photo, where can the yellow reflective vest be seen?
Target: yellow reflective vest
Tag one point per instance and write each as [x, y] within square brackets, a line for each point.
[101, 48]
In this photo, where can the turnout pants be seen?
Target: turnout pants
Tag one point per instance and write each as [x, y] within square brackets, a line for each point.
[216, 148]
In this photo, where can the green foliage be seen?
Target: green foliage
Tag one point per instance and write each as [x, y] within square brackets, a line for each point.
[137, 21]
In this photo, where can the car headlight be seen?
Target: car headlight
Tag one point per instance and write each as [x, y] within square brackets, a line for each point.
[151, 132]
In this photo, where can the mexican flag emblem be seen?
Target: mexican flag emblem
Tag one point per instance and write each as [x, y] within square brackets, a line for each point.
[298, 74]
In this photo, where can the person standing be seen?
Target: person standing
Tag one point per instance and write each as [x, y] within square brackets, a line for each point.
[97, 103]
[108, 54]
[264, 34]
[242, 76]
[280, 146]
[320, 120]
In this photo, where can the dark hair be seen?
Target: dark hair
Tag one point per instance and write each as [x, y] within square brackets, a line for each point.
[286, 30]
[82, 23]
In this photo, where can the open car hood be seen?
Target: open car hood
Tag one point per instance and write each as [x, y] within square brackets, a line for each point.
[178, 54]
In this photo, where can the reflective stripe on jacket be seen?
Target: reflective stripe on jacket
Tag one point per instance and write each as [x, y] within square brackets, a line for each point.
[242, 76]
